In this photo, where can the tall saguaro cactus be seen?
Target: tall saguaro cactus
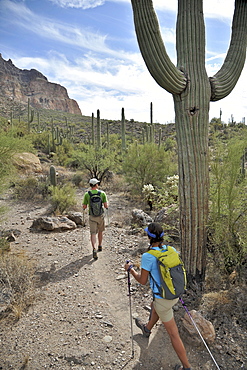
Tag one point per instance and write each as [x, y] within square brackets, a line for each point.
[123, 131]
[192, 92]
[98, 142]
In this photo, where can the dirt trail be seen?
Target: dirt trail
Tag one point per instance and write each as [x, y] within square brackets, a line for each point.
[80, 318]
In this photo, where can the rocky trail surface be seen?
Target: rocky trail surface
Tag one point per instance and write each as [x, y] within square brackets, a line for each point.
[80, 317]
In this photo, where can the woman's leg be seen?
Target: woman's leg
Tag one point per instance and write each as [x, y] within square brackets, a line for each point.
[172, 330]
[153, 318]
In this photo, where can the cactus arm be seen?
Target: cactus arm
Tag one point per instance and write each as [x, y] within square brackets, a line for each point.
[223, 82]
[153, 50]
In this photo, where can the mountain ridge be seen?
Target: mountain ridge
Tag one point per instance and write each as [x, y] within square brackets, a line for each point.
[17, 86]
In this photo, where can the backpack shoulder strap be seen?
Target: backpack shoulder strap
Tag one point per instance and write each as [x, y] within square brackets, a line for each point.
[91, 194]
[154, 252]
[158, 252]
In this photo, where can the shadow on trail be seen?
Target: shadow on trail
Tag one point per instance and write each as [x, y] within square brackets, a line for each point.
[53, 276]
[156, 352]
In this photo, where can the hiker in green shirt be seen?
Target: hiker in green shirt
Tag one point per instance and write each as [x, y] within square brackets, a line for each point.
[95, 199]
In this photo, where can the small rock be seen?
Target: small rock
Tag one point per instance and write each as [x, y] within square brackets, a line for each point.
[107, 339]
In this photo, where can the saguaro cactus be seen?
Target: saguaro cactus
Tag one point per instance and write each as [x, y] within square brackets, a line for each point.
[192, 92]
[92, 125]
[30, 115]
[123, 131]
[98, 143]
[53, 178]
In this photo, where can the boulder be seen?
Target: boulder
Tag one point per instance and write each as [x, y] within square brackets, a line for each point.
[77, 217]
[53, 224]
[141, 218]
[204, 326]
[27, 163]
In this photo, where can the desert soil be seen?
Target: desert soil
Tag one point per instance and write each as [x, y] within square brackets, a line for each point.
[80, 317]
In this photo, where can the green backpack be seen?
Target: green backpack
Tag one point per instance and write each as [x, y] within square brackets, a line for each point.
[172, 272]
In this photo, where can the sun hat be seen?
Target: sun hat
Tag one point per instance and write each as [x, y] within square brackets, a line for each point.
[93, 181]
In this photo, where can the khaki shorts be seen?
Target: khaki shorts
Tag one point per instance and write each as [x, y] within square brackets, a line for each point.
[96, 224]
[163, 307]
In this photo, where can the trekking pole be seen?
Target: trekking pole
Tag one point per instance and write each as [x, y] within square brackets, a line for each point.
[107, 213]
[131, 324]
[193, 322]
[83, 221]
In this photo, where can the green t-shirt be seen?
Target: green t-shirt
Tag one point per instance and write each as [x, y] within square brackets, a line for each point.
[87, 197]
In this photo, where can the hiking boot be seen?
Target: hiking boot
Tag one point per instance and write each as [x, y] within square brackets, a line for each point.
[180, 367]
[95, 255]
[146, 333]
[99, 248]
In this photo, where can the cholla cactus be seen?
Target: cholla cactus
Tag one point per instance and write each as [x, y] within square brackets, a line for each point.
[169, 192]
[149, 194]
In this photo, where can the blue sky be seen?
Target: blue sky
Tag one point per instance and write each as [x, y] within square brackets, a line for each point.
[90, 47]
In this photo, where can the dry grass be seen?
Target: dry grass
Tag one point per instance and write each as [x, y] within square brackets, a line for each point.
[215, 299]
[16, 283]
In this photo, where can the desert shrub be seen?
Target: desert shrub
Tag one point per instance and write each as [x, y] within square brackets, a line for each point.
[95, 162]
[30, 188]
[148, 164]
[228, 206]
[168, 193]
[4, 246]
[9, 145]
[16, 283]
[63, 153]
[77, 179]
[40, 141]
[164, 196]
[62, 198]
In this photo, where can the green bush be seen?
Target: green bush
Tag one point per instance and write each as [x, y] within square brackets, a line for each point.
[95, 162]
[63, 198]
[228, 204]
[77, 179]
[30, 188]
[147, 164]
[4, 246]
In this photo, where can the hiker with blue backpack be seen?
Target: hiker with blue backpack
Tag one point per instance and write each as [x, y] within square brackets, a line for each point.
[96, 201]
[163, 284]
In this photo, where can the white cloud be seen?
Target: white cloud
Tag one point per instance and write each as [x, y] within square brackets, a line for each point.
[110, 87]
[109, 79]
[219, 9]
[83, 4]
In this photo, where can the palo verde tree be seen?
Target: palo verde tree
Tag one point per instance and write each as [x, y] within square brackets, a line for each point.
[192, 92]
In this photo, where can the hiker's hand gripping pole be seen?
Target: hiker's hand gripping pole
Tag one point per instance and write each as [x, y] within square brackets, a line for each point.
[131, 324]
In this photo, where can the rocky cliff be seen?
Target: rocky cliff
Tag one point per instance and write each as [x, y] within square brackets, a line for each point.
[19, 85]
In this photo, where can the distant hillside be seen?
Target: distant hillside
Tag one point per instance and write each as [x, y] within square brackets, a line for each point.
[19, 85]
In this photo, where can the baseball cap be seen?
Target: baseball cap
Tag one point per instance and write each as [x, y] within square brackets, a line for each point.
[93, 181]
